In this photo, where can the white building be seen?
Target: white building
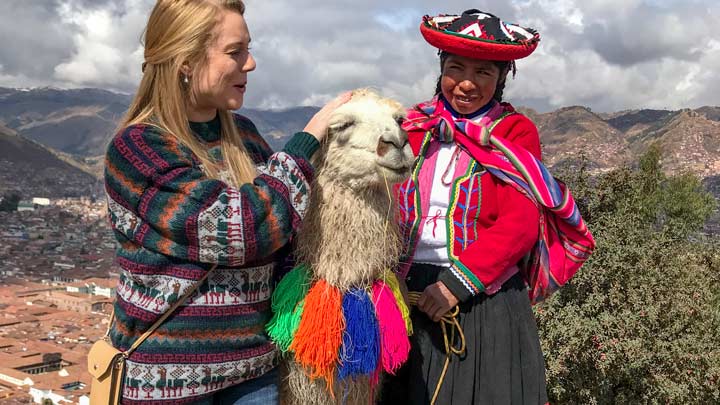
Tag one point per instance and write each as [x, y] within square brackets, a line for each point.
[41, 201]
[40, 395]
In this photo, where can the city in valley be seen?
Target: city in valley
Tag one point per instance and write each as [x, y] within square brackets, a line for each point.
[57, 283]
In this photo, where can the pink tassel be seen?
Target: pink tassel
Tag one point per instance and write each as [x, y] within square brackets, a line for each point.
[394, 342]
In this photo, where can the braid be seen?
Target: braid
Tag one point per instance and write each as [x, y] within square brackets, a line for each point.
[505, 67]
[499, 91]
[443, 57]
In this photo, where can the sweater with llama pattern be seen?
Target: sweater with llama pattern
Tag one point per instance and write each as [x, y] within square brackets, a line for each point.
[172, 224]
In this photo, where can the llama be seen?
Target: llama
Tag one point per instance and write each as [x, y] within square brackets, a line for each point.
[347, 243]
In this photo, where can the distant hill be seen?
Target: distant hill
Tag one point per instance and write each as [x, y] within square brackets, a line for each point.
[690, 143]
[632, 122]
[568, 133]
[277, 125]
[78, 121]
[711, 113]
[689, 139]
[31, 170]
[78, 124]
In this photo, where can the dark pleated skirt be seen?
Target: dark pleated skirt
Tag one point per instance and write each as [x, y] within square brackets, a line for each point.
[503, 362]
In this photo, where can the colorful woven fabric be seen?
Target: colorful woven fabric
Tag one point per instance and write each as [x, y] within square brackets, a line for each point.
[491, 228]
[348, 334]
[479, 35]
[172, 223]
[564, 242]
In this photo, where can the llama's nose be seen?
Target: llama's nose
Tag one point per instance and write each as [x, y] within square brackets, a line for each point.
[387, 143]
[397, 139]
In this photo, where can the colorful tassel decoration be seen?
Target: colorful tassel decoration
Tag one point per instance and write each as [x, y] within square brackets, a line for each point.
[375, 379]
[391, 280]
[318, 338]
[393, 333]
[287, 306]
[360, 350]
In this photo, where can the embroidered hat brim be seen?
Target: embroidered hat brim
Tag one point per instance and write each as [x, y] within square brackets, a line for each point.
[479, 35]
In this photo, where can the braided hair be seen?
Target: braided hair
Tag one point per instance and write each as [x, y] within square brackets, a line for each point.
[503, 66]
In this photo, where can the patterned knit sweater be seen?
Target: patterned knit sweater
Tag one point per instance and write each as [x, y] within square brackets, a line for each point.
[172, 223]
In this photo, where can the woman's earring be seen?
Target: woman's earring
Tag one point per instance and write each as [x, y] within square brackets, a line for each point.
[185, 79]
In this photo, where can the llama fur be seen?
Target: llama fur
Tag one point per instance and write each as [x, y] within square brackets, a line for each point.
[349, 236]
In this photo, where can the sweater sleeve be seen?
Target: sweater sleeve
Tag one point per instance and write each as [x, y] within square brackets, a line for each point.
[159, 198]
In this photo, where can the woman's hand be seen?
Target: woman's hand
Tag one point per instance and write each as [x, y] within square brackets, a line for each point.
[317, 126]
[436, 300]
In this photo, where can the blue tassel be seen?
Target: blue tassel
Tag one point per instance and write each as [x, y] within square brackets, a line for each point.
[360, 350]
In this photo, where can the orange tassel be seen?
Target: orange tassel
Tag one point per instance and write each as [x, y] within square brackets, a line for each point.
[319, 335]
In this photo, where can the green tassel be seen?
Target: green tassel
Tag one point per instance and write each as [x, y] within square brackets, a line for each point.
[287, 306]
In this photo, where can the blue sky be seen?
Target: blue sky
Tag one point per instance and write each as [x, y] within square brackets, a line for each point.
[608, 55]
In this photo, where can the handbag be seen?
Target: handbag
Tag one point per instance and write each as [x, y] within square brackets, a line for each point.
[106, 364]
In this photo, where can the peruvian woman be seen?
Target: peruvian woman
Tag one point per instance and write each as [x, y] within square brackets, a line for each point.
[466, 228]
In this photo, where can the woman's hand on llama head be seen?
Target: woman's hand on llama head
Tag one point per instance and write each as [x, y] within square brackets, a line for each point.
[318, 124]
[437, 300]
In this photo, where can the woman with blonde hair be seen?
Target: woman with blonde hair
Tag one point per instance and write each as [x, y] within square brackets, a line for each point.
[194, 192]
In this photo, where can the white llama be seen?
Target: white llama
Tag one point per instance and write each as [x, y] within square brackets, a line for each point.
[349, 238]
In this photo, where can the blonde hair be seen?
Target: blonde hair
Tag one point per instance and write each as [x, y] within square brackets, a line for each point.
[178, 33]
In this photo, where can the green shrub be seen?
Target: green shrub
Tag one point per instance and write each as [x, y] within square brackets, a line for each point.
[639, 323]
[9, 202]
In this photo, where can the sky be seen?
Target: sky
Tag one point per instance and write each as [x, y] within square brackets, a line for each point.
[609, 55]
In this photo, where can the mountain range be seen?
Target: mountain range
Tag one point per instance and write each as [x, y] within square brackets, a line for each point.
[30, 169]
[68, 130]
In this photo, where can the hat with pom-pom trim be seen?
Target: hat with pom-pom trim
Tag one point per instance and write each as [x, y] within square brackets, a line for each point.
[479, 35]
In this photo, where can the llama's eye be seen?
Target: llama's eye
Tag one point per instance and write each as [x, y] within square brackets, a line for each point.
[399, 120]
[341, 126]
[338, 127]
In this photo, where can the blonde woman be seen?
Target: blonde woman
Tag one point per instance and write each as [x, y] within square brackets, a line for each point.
[190, 185]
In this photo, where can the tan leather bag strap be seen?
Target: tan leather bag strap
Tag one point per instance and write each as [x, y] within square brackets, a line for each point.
[164, 316]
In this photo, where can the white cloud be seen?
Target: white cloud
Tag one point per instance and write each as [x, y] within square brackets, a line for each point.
[12, 80]
[107, 50]
[605, 54]
[398, 20]
[624, 54]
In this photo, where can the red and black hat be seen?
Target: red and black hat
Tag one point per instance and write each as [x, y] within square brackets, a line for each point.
[479, 35]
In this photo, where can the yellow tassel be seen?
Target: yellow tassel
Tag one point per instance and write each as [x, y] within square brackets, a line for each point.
[391, 281]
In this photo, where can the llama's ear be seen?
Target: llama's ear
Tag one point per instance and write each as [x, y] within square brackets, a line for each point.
[338, 126]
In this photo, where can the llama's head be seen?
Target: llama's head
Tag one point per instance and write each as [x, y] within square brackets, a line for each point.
[366, 148]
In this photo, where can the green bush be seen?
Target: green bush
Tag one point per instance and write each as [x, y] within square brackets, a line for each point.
[9, 202]
[639, 323]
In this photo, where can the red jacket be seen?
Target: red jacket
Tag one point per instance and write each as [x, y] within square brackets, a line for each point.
[494, 225]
